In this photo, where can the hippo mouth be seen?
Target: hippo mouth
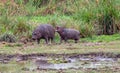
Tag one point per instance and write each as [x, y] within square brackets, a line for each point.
[33, 39]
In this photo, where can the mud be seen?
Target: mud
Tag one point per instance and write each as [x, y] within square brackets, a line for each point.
[65, 61]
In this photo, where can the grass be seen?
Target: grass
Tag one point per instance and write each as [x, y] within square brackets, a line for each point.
[49, 19]
[109, 44]
[102, 38]
[16, 68]
[101, 43]
[65, 14]
[105, 43]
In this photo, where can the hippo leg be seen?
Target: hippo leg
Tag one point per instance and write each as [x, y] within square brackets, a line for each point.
[61, 39]
[52, 41]
[38, 41]
[76, 40]
[65, 39]
[46, 40]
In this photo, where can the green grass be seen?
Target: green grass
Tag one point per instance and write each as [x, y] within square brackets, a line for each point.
[102, 38]
[43, 19]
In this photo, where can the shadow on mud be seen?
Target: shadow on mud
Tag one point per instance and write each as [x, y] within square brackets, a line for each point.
[65, 61]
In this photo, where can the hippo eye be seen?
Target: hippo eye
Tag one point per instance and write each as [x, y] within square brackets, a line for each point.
[34, 34]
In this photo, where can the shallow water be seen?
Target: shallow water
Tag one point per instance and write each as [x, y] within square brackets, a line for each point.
[57, 61]
[77, 63]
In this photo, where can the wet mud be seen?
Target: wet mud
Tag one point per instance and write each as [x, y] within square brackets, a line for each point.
[65, 61]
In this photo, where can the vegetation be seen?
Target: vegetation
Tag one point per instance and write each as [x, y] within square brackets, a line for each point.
[8, 38]
[102, 38]
[79, 48]
[90, 17]
[103, 43]
[97, 20]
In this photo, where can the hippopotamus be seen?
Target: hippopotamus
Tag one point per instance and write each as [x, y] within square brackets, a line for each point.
[68, 33]
[44, 31]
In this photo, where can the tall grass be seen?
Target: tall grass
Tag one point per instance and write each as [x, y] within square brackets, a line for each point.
[90, 17]
[108, 16]
[102, 15]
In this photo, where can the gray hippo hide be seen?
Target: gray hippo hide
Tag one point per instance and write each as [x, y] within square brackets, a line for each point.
[44, 31]
[67, 33]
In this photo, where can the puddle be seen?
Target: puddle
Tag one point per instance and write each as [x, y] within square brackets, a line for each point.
[77, 63]
[65, 61]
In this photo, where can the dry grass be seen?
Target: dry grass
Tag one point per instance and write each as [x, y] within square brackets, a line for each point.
[17, 48]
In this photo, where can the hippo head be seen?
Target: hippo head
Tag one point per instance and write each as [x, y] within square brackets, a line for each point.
[59, 29]
[36, 35]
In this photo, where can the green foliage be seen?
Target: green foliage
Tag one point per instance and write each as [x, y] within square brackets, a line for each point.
[22, 27]
[102, 38]
[30, 8]
[86, 30]
[13, 45]
[87, 16]
[108, 16]
[8, 38]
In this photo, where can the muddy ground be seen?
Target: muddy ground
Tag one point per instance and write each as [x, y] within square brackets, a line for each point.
[61, 62]
[61, 58]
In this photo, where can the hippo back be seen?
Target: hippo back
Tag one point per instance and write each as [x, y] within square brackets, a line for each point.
[46, 30]
[72, 33]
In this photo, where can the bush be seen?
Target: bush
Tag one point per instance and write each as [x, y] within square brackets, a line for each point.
[8, 38]
[86, 30]
[108, 16]
[22, 28]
